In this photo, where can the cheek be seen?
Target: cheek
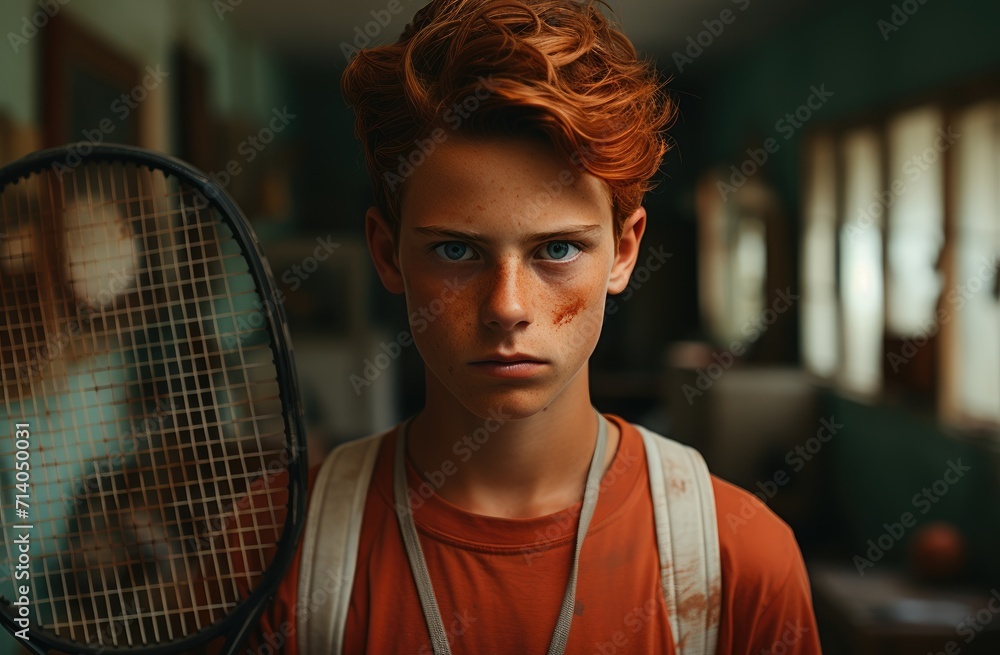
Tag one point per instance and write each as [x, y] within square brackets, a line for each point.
[437, 307]
[568, 310]
[577, 320]
[577, 302]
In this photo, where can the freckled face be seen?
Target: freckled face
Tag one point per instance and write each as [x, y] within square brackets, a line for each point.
[505, 253]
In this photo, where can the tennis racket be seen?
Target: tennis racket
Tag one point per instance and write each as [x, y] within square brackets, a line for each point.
[152, 453]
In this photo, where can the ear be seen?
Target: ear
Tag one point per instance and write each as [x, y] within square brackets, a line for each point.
[382, 246]
[628, 251]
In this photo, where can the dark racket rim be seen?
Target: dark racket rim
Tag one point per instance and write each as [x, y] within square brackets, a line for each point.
[236, 623]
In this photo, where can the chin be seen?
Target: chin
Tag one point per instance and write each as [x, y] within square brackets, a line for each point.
[513, 403]
[516, 402]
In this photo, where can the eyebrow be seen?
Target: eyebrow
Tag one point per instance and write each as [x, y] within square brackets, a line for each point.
[571, 232]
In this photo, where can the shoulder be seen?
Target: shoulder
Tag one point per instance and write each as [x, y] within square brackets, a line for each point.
[347, 465]
[339, 472]
[357, 447]
[766, 597]
[758, 549]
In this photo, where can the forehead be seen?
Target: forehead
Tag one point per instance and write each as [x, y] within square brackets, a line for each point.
[471, 179]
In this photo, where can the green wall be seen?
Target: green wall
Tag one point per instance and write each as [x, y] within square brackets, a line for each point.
[246, 81]
[840, 45]
[17, 69]
[883, 462]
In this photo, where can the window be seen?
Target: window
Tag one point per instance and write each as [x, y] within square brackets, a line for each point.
[733, 237]
[820, 333]
[915, 228]
[901, 257]
[861, 282]
[972, 296]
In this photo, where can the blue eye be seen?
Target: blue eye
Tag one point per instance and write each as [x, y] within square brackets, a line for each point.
[454, 251]
[559, 250]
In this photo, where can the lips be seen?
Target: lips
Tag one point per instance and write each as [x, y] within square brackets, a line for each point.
[515, 358]
[510, 368]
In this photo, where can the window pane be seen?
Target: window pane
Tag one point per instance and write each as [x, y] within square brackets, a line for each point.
[748, 272]
[732, 239]
[971, 301]
[819, 299]
[915, 203]
[861, 280]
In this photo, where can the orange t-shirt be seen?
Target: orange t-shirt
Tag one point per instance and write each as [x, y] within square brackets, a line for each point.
[499, 582]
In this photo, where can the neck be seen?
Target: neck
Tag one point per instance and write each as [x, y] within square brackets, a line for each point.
[512, 468]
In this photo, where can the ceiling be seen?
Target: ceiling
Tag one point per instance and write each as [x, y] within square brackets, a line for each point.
[315, 29]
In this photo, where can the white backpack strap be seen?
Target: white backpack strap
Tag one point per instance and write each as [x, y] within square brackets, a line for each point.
[688, 539]
[326, 574]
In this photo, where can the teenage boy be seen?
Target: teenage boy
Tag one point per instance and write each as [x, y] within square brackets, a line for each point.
[510, 145]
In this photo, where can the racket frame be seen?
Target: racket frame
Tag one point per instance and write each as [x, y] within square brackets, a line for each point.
[237, 625]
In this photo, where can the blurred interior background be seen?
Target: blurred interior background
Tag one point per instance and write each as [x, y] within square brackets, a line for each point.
[823, 316]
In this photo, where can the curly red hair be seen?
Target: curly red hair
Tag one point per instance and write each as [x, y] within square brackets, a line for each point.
[551, 69]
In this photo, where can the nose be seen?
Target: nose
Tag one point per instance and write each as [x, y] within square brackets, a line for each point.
[507, 303]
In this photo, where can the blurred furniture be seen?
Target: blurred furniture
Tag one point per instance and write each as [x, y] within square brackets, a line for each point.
[748, 422]
[885, 613]
[737, 415]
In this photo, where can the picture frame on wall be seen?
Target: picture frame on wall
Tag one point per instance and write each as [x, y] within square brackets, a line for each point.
[83, 83]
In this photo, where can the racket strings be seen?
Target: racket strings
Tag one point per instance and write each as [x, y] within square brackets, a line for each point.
[133, 337]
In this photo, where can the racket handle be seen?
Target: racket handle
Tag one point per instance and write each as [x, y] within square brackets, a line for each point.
[236, 639]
